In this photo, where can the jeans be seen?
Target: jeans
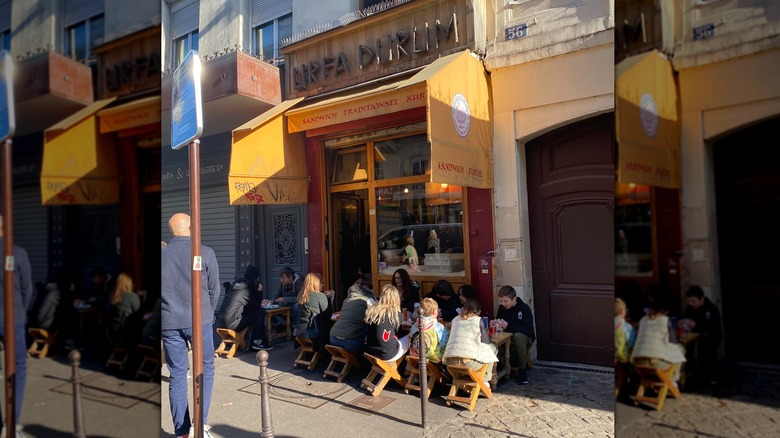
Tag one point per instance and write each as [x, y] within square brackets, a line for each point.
[353, 345]
[175, 347]
[20, 353]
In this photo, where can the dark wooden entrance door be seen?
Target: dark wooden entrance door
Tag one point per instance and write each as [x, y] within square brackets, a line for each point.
[571, 199]
[747, 190]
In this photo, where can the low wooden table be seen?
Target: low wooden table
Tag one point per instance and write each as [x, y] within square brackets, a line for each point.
[501, 340]
[689, 341]
[281, 311]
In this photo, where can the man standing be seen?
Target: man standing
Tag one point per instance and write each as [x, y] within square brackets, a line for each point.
[23, 292]
[176, 312]
[706, 321]
[520, 322]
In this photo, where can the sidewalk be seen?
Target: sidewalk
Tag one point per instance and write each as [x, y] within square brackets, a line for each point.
[113, 406]
[744, 403]
[557, 403]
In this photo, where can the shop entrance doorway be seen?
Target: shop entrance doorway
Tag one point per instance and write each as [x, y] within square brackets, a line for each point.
[571, 198]
[349, 241]
[747, 191]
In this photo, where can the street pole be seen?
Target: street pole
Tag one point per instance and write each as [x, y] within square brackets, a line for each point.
[423, 373]
[197, 266]
[8, 285]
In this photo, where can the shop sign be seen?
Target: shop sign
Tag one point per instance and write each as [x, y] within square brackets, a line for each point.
[7, 114]
[397, 46]
[127, 72]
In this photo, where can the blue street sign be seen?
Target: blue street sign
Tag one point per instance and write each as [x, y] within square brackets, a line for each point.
[186, 108]
[7, 113]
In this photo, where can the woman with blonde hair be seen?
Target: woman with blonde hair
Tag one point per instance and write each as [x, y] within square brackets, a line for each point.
[384, 319]
[124, 303]
[314, 310]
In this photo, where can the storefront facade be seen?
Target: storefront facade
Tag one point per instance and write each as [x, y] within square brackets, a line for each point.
[86, 210]
[368, 138]
[553, 93]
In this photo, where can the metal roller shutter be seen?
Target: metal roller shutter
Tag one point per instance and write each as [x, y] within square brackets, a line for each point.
[31, 224]
[79, 10]
[217, 228]
[266, 10]
[185, 18]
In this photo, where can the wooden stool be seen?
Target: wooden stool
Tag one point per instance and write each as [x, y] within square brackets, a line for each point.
[433, 370]
[230, 341]
[42, 340]
[658, 380]
[150, 364]
[387, 371]
[307, 348]
[470, 381]
[118, 356]
[340, 356]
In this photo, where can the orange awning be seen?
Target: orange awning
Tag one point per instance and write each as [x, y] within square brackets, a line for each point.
[79, 163]
[456, 92]
[137, 113]
[268, 164]
[648, 126]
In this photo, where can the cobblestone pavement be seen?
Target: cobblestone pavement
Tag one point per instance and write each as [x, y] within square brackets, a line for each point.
[558, 402]
[745, 403]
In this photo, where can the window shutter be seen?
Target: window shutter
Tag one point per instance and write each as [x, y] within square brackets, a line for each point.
[5, 15]
[185, 19]
[80, 10]
[266, 10]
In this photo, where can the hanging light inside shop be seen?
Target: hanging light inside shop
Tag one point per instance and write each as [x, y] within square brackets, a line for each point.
[444, 185]
[406, 189]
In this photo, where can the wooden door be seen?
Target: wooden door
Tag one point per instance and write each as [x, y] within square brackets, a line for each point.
[571, 207]
[747, 189]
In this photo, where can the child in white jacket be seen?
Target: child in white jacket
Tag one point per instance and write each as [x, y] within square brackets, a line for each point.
[468, 344]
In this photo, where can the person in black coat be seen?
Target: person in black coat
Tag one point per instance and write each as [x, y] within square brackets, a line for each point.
[706, 322]
[520, 322]
[243, 307]
[444, 295]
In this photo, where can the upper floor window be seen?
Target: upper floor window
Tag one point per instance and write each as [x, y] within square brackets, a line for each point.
[80, 38]
[5, 40]
[268, 35]
[185, 17]
[183, 45]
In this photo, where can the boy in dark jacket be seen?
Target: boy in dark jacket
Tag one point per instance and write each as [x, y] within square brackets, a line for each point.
[242, 308]
[290, 285]
[706, 321]
[520, 322]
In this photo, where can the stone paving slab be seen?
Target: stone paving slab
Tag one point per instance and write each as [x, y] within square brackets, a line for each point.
[745, 403]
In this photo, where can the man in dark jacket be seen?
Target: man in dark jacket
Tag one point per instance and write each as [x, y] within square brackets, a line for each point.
[176, 311]
[520, 322]
[243, 307]
[23, 292]
[290, 284]
[706, 321]
[444, 295]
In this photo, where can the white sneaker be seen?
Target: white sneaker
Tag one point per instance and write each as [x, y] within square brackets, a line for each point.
[206, 433]
[487, 383]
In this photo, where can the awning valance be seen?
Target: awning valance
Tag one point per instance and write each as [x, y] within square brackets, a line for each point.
[268, 164]
[648, 126]
[456, 93]
[79, 163]
[137, 113]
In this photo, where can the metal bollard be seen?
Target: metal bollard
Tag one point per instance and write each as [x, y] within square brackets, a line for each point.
[265, 402]
[78, 415]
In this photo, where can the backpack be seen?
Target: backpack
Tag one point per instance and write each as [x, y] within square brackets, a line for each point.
[433, 349]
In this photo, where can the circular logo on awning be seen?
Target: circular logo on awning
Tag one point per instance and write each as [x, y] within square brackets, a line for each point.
[461, 116]
[648, 115]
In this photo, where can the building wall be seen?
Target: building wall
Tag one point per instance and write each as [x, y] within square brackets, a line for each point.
[529, 100]
[222, 25]
[748, 91]
[551, 30]
[717, 31]
[312, 13]
[34, 25]
[125, 17]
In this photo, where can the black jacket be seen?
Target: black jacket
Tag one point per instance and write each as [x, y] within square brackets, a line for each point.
[241, 298]
[448, 306]
[289, 293]
[382, 340]
[520, 319]
[707, 319]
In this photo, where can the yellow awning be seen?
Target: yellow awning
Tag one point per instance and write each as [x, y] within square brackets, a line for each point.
[456, 92]
[137, 113]
[79, 163]
[648, 126]
[268, 164]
